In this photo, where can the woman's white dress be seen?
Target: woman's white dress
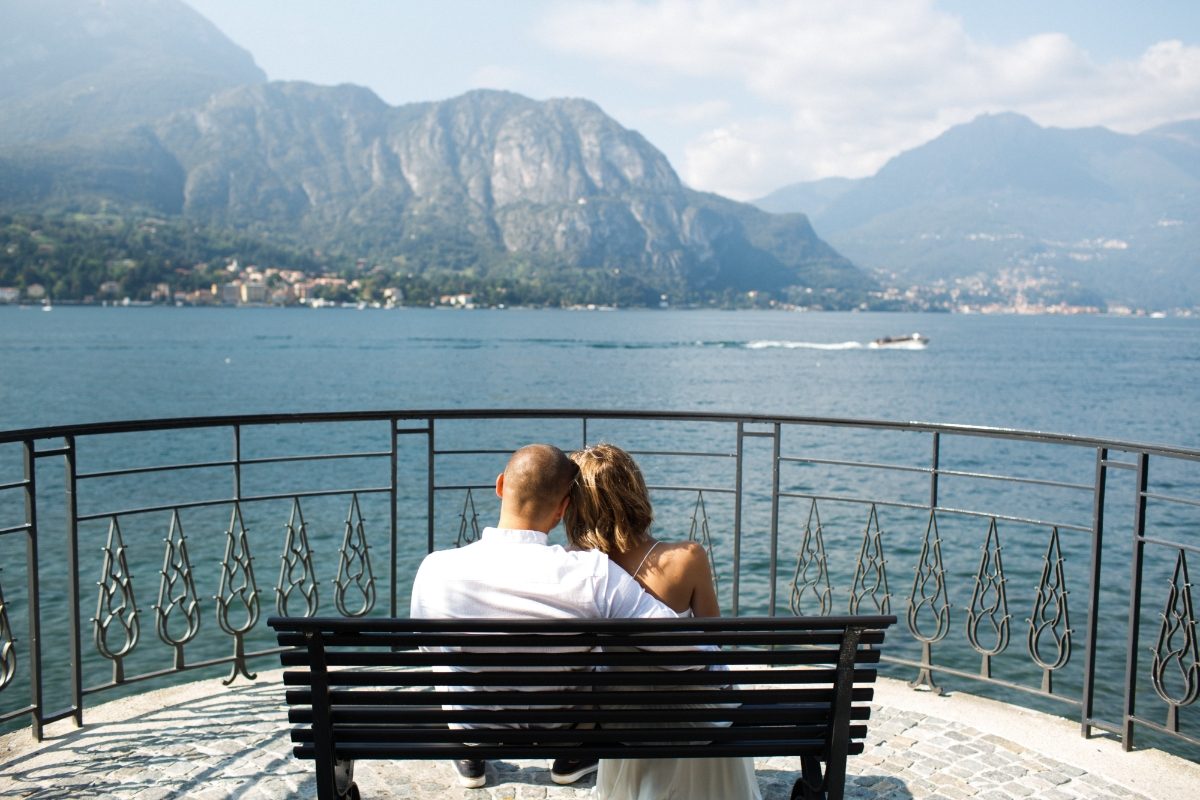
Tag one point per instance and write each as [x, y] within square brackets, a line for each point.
[676, 778]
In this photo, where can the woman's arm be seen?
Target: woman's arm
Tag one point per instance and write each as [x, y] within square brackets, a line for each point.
[704, 594]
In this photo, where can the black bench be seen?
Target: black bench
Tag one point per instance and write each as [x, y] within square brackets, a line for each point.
[364, 688]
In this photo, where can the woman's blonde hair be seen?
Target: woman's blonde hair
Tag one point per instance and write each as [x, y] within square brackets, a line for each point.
[610, 506]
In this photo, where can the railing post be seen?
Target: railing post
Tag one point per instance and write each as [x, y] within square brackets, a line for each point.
[774, 565]
[737, 523]
[72, 502]
[935, 461]
[429, 483]
[237, 462]
[394, 497]
[1135, 600]
[1088, 708]
[31, 566]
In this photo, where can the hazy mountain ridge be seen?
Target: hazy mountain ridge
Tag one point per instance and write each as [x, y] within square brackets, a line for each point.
[489, 184]
[495, 175]
[90, 66]
[1118, 214]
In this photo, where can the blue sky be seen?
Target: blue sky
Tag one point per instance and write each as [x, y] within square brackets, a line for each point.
[746, 96]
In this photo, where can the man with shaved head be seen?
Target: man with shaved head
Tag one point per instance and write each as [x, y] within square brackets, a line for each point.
[534, 487]
[513, 571]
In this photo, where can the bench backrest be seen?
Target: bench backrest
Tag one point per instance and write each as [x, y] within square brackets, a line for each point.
[796, 686]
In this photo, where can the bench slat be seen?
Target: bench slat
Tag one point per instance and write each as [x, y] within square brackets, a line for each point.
[718, 625]
[591, 658]
[788, 747]
[384, 735]
[746, 694]
[778, 714]
[678, 638]
[580, 679]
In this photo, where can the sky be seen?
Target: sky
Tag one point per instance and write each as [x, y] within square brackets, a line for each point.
[747, 96]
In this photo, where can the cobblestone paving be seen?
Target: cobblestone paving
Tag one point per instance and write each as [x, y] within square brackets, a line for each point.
[217, 743]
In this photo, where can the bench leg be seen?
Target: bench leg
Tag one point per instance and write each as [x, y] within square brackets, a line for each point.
[810, 785]
[343, 780]
[336, 783]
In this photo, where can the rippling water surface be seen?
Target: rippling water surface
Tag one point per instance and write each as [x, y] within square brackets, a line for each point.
[1122, 377]
[1125, 378]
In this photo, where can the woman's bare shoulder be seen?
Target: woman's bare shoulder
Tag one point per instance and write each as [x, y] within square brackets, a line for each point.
[684, 555]
[685, 565]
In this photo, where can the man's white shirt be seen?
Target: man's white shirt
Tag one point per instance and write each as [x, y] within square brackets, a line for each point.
[515, 573]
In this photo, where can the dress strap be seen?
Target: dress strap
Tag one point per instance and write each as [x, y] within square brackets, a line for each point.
[642, 563]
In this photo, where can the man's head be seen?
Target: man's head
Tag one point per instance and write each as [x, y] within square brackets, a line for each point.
[534, 487]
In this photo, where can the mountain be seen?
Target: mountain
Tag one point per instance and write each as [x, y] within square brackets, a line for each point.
[812, 196]
[70, 67]
[1116, 214]
[490, 185]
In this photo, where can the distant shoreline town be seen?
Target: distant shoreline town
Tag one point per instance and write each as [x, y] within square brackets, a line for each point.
[252, 287]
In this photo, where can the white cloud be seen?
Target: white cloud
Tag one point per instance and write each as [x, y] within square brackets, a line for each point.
[692, 113]
[840, 87]
[496, 76]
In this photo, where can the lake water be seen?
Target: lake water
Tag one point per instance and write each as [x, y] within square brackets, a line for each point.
[1133, 378]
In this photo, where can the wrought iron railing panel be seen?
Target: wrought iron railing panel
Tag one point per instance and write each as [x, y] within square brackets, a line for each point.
[297, 575]
[8, 649]
[928, 614]
[177, 597]
[115, 627]
[798, 516]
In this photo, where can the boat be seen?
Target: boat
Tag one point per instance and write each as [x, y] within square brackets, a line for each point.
[910, 341]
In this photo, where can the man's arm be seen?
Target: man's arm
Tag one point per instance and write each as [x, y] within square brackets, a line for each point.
[425, 600]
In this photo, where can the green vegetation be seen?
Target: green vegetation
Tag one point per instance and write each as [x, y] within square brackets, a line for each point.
[99, 257]
[73, 256]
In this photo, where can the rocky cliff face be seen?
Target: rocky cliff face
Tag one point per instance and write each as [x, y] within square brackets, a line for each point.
[556, 180]
[142, 105]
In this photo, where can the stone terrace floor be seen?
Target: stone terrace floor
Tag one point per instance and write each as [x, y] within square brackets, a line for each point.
[204, 741]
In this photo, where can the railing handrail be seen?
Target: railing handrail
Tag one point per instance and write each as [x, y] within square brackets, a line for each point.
[182, 423]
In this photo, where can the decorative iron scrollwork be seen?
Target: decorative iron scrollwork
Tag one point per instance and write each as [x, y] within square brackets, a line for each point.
[699, 532]
[115, 628]
[296, 572]
[870, 574]
[929, 601]
[354, 566]
[1050, 620]
[8, 646]
[812, 569]
[1176, 663]
[989, 603]
[468, 522]
[177, 596]
[238, 593]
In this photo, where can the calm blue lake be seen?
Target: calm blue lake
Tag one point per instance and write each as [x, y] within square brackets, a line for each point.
[1134, 378]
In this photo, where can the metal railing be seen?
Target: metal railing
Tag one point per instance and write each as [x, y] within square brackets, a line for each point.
[952, 527]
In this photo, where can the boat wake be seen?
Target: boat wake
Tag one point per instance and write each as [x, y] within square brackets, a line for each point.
[769, 344]
[611, 344]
